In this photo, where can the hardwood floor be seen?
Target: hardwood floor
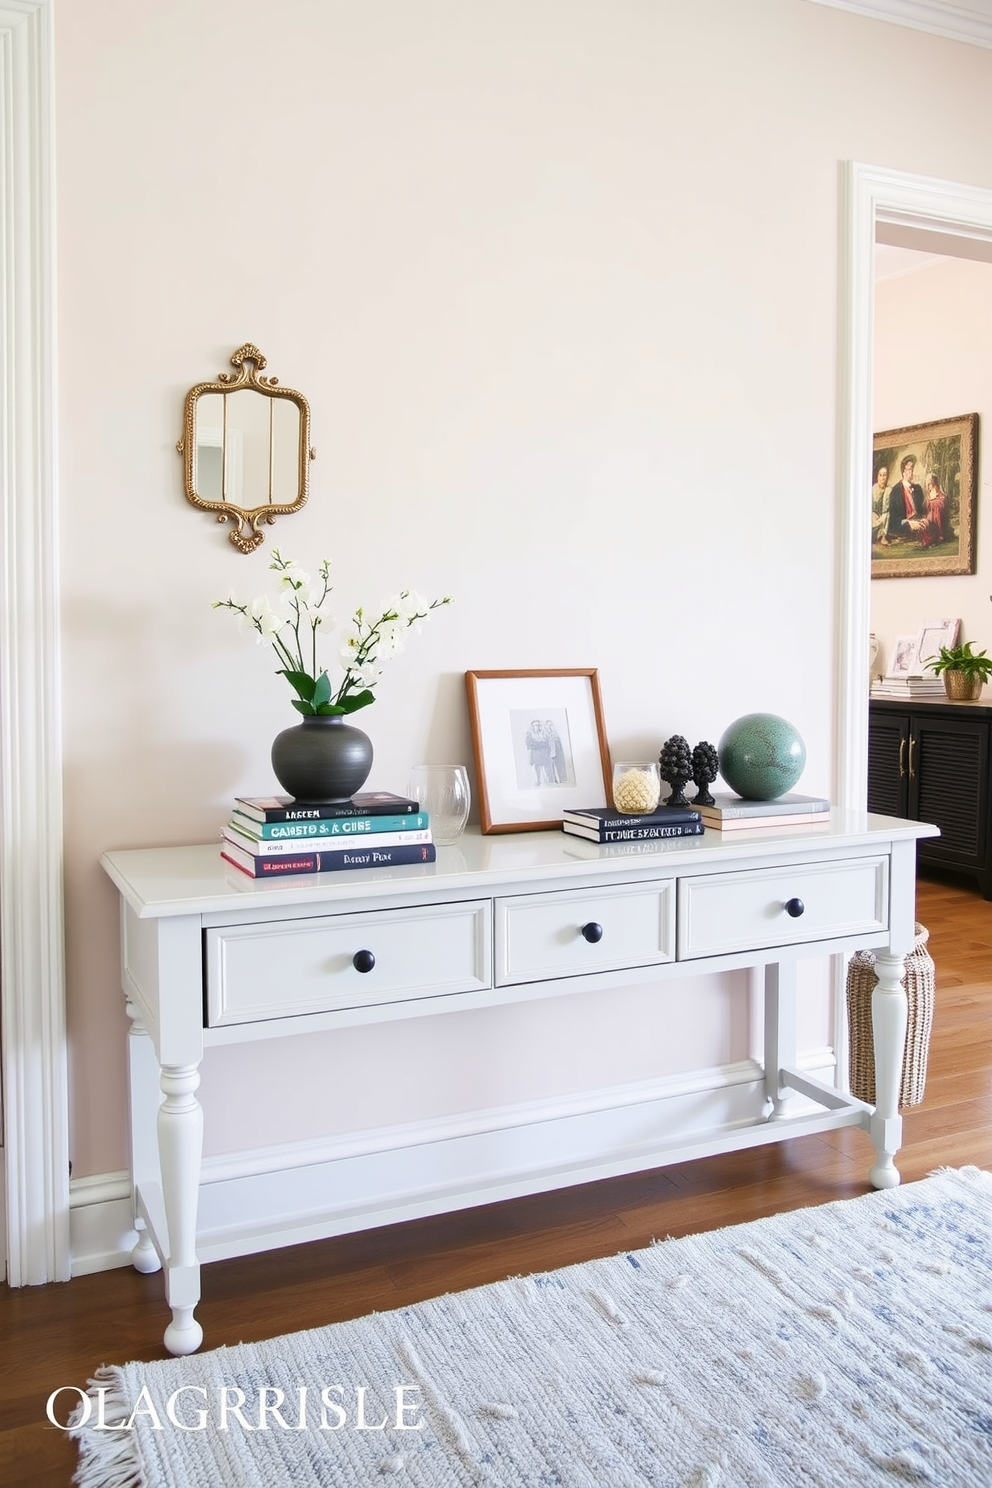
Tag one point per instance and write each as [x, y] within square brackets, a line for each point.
[58, 1335]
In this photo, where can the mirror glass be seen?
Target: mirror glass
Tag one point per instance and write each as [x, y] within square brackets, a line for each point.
[246, 444]
[247, 449]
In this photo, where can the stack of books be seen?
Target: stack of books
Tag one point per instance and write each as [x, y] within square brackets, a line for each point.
[921, 686]
[732, 814]
[275, 836]
[604, 825]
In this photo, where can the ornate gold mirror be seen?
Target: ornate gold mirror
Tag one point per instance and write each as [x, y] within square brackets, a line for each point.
[246, 448]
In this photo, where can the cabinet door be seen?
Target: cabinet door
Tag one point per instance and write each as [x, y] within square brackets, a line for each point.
[949, 782]
[888, 771]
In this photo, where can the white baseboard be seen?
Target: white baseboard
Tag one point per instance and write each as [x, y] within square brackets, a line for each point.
[303, 1191]
[101, 1230]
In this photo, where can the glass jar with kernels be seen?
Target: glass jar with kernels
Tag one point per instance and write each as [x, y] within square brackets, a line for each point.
[636, 788]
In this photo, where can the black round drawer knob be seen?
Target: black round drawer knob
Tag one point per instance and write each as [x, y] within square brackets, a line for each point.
[592, 932]
[794, 907]
[363, 960]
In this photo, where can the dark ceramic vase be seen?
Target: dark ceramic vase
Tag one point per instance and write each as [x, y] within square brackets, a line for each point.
[322, 760]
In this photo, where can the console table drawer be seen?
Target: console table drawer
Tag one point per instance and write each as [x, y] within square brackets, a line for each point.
[723, 913]
[540, 936]
[283, 970]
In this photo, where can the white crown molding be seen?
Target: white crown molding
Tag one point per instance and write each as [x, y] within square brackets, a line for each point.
[968, 23]
[35, 1089]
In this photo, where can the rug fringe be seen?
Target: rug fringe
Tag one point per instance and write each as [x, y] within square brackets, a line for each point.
[970, 1173]
[107, 1459]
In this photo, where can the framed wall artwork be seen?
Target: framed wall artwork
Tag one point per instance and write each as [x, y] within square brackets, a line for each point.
[540, 746]
[923, 497]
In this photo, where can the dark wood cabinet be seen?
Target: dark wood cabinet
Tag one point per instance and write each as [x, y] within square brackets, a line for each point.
[929, 761]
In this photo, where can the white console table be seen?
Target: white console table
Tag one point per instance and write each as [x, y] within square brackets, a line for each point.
[210, 956]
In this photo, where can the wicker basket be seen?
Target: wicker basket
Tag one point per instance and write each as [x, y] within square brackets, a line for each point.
[919, 983]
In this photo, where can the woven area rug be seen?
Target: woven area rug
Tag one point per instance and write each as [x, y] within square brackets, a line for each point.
[832, 1347]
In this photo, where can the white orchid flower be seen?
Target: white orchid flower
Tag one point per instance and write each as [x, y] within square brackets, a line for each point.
[366, 674]
[265, 619]
[410, 606]
[291, 623]
[391, 639]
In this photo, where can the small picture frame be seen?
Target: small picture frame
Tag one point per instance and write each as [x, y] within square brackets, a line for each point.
[540, 746]
[904, 658]
[933, 635]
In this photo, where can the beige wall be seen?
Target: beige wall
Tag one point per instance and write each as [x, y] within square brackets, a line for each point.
[933, 360]
[559, 279]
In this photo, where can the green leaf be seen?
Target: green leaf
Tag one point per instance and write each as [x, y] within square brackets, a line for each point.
[356, 700]
[302, 707]
[330, 710]
[300, 682]
[322, 691]
[962, 659]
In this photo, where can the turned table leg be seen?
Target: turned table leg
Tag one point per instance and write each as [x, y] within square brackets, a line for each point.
[888, 1018]
[180, 1144]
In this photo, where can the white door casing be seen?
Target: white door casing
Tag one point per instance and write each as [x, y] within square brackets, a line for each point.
[871, 195]
[35, 1092]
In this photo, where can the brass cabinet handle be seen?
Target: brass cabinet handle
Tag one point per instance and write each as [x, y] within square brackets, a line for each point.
[912, 745]
[902, 758]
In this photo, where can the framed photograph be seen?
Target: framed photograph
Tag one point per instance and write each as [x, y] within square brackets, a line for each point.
[540, 746]
[934, 634]
[923, 497]
[904, 658]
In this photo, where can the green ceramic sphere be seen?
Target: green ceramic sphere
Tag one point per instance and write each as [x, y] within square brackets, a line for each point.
[761, 756]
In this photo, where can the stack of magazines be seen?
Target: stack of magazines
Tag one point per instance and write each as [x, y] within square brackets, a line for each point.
[908, 687]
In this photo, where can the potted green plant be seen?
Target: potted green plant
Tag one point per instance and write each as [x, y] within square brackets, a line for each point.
[965, 671]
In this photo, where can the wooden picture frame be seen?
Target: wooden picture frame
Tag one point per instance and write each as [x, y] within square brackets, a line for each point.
[540, 746]
[928, 526]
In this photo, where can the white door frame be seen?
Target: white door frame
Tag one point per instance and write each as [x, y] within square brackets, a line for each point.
[32, 981]
[872, 194]
[869, 195]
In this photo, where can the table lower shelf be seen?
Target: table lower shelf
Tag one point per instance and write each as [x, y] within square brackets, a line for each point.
[217, 1240]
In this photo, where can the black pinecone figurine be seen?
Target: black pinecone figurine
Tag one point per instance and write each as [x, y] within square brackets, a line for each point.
[675, 766]
[705, 765]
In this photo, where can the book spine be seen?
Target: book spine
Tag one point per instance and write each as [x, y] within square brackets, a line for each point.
[677, 814]
[329, 862]
[263, 848]
[270, 814]
[639, 834]
[348, 826]
[765, 808]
